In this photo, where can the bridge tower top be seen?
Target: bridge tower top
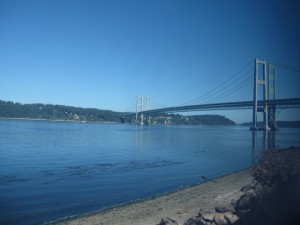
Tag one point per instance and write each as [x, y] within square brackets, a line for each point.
[148, 103]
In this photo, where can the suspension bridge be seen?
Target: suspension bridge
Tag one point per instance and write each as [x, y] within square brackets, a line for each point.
[266, 96]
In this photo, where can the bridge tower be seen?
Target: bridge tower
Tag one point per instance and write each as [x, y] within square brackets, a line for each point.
[272, 96]
[139, 108]
[148, 107]
[260, 81]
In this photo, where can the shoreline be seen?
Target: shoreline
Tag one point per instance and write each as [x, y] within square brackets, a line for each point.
[75, 121]
[153, 124]
[267, 193]
[179, 205]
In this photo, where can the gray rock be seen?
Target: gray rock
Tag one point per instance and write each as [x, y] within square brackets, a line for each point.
[243, 202]
[251, 193]
[246, 187]
[222, 208]
[195, 221]
[220, 219]
[231, 218]
[246, 201]
[167, 221]
[259, 190]
[208, 217]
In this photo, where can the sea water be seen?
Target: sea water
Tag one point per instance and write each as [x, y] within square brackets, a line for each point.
[51, 170]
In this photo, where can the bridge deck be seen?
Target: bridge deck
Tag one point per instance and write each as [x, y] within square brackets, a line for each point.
[280, 103]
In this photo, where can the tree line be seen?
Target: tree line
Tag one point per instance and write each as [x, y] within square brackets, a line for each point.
[56, 112]
[10, 109]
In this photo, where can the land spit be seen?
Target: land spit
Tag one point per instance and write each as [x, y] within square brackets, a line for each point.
[269, 193]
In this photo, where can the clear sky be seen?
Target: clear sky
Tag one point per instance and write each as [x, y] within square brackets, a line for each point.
[102, 54]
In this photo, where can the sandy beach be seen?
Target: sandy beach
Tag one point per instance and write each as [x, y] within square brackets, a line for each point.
[265, 194]
[180, 205]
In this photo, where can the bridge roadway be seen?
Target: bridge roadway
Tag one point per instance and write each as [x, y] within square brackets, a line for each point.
[280, 104]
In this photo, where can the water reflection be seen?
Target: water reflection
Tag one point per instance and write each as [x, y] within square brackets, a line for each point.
[261, 141]
[141, 137]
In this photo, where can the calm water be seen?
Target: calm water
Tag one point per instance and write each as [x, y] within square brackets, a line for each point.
[50, 170]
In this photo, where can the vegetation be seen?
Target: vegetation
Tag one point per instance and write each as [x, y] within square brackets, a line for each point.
[185, 120]
[193, 120]
[56, 112]
[62, 112]
[292, 124]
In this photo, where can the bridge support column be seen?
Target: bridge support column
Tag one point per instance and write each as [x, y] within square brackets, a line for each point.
[148, 107]
[139, 108]
[142, 119]
[147, 119]
[260, 81]
[272, 93]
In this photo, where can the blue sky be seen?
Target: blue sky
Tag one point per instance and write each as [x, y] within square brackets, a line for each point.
[102, 54]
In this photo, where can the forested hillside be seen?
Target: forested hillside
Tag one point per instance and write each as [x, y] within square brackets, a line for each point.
[193, 120]
[56, 112]
[62, 112]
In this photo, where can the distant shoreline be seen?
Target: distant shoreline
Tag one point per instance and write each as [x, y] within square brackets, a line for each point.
[76, 121]
[280, 124]
[70, 113]
[288, 124]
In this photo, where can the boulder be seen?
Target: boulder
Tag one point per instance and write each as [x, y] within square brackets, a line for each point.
[259, 190]
[251, 193]
[208, 217]
[231, 218]
[222, 208]
[220, 219]
[246, 201]
[195, 221]
[167, 221]
[243, 202]
[246, 187]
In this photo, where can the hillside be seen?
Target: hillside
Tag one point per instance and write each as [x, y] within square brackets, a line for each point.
[56, 112]
[62, 112]
[211, 120]
[194, 120]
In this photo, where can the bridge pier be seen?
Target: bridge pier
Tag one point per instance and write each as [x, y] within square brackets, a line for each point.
[142, 119]
[148, 119]
[148, 107]
[272, 117]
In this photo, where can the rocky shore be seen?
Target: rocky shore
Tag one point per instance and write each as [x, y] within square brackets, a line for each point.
[272, 198]
[269, 193]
